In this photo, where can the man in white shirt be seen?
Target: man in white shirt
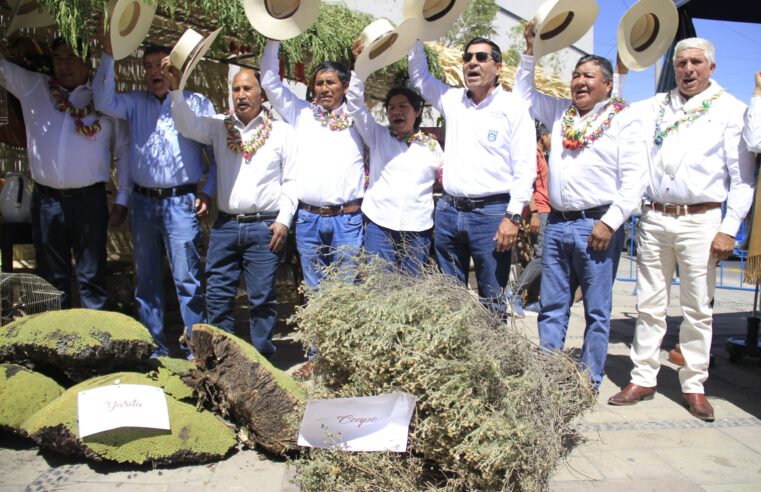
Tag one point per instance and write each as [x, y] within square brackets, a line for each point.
[256, 194]
[698, 161]
[330, 176]
[596, 177]
[752, 129]
[69, 147]
[489, 168]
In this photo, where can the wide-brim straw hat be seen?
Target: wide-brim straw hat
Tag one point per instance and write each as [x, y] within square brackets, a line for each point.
[28, 14]
[560, 23]
[129, 23]
[384, 44]
[646, 31]
[189, 50]
[281, 19]
[435, 16]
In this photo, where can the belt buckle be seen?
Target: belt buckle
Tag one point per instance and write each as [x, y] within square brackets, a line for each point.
[325, 211]
[67, 193]
[462, 203]
[240, 217]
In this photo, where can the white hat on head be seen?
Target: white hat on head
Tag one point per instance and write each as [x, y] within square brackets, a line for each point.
[436, 16]
[188, 52]
[129, 23]
[29, 14]
[281, 19]
[560, 23]
[383, 45]
[646, 31]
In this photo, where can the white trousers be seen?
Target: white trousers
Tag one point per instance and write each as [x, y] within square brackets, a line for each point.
[663, 243]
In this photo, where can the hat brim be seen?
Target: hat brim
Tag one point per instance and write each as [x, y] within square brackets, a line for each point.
[560, 23]
[436, 25]
[658, 38]
[281, 29]
[404, 37]
[28, 14]
[196, 55]
[125, 39]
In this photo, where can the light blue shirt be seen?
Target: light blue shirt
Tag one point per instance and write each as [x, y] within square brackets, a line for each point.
[160, 156]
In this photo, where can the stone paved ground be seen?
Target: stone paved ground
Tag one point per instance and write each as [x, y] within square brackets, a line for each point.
[655, 445]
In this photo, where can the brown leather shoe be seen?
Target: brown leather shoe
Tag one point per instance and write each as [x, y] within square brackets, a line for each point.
[676, 357]
[699, 406]
[632, 394]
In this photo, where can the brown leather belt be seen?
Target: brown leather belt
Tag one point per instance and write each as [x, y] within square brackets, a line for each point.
[677, 210]
[332, 210]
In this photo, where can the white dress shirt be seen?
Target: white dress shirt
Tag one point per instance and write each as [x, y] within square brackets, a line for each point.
[400, 191]
[705, 160]
[58, 156]
[264, 183]
[752, 130]
[609, 171]
[490, 146]
[330, 164]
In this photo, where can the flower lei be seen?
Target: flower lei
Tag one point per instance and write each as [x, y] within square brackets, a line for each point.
[575, 139]
[62, 104]
[700, 111]
[423, 138]
[261, 134]
[336, 122]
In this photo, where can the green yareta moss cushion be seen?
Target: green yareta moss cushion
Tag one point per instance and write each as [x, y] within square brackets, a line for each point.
[22, 393]
[195, 437]
[80, 342]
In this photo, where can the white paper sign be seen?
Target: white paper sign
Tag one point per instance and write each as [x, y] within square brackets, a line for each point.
[121, 405]
[372, 423]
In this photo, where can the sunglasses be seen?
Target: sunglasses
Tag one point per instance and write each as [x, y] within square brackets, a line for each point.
[481, 56]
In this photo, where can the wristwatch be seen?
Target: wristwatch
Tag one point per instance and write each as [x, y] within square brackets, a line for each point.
[514, 218]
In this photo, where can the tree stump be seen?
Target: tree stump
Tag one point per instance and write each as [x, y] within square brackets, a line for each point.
[236, 381]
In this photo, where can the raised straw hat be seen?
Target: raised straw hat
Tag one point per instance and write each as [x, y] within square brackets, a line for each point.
[28, 14]
[281, 19]
[646, 31]
[560, 23]
[188, 52]
[129, 23]
[435, 16]
[383, 45]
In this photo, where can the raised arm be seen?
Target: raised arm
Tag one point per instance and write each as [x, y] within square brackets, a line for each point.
[432, 89]
[364, 122]
[107, 99]
[282, 99]
[188, 123]
[17, 80]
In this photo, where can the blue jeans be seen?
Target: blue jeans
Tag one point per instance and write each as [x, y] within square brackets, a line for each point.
[408, 250]
[567, 263]
[460, 235]
[236, 248]
[78, 222]
[166, 225]
[322, 241]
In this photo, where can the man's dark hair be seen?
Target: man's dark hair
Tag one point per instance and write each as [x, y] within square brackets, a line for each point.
[540, 129]
[332, 66]
[496, 54]
[605, 66]
[152, 49]
[413, 97]
[81, 47]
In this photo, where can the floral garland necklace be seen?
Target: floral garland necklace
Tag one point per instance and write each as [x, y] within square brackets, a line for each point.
[62, 104]
[700, 111]
[261, 134]
[575, 139]
[420, 137]
[335, 121]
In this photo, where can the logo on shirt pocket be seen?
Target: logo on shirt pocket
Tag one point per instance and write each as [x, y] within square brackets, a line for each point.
[492, 136]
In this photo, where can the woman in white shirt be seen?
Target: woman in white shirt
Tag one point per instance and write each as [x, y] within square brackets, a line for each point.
[403, 167]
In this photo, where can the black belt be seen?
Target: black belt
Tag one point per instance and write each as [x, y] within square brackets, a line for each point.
[165, 192]
[69, 192]
[467, 204]
[246, 218]
[349, 207]
[590, 213]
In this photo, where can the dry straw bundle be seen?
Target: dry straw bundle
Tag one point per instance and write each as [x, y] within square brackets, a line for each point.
[494, 410]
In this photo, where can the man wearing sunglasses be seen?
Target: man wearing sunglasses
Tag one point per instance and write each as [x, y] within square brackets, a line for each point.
[596, 179]
[489, 168]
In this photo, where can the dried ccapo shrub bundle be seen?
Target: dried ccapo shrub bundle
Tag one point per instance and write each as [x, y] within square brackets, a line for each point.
[494, 411]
